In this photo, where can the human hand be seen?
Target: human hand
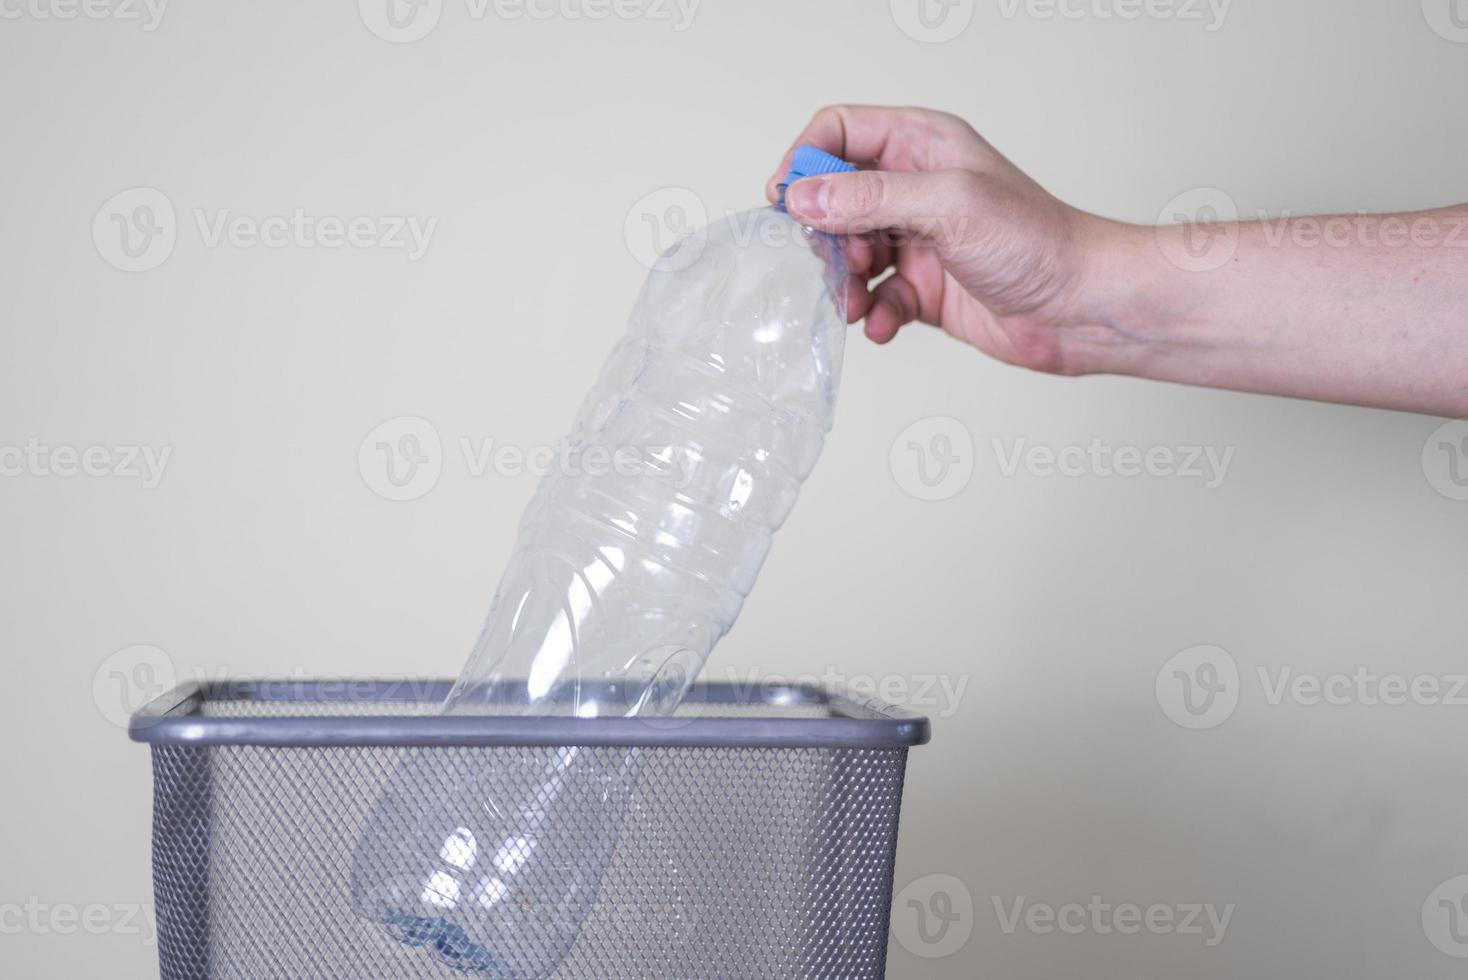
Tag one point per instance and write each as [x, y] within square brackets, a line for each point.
[978, 248]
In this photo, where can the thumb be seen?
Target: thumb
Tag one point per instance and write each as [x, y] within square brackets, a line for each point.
[924, 204]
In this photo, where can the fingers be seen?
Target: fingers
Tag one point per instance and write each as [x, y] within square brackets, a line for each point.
[926, 189]
[935, 207]
[868, 128]
[859, 299]
[860, 255]
[890, 137]
[867, 256]
[894, 303]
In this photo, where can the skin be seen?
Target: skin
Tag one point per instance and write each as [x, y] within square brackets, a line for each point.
[1358, 309]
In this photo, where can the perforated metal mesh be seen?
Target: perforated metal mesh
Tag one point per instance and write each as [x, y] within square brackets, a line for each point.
[731, 862]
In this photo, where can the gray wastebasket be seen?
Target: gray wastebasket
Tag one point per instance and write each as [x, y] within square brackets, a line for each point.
[759, 844]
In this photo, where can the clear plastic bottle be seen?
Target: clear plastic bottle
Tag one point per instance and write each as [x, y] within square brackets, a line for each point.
[631, 563]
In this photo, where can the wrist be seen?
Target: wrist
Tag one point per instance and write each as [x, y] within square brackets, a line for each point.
[1125, 299]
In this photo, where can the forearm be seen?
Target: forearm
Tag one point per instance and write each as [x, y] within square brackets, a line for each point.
[1369, 310]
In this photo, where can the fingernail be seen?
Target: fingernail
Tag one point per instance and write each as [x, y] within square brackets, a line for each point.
[807, 197]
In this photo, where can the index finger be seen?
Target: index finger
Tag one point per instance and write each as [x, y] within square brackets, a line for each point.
[887, 137]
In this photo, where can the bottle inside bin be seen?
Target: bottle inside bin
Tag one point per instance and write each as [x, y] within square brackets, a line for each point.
[714, 408]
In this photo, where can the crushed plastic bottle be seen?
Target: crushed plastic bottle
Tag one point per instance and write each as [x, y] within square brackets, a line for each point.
[707, 417]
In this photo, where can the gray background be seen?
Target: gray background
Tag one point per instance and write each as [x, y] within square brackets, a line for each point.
[1334, 542]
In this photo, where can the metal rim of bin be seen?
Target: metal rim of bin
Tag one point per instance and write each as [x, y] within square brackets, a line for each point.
[853, 723]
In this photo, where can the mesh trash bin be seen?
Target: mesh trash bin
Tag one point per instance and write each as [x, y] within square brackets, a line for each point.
[759, 842]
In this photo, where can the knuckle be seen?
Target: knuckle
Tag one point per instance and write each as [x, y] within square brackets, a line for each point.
[833, 111]
[955, 202]
[967, 191]
[861, 195]
[941, 125]
[962, 186]
[959, 125]
[945, 119]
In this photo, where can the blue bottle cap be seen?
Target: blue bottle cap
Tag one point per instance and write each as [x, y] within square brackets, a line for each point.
[809, 161]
